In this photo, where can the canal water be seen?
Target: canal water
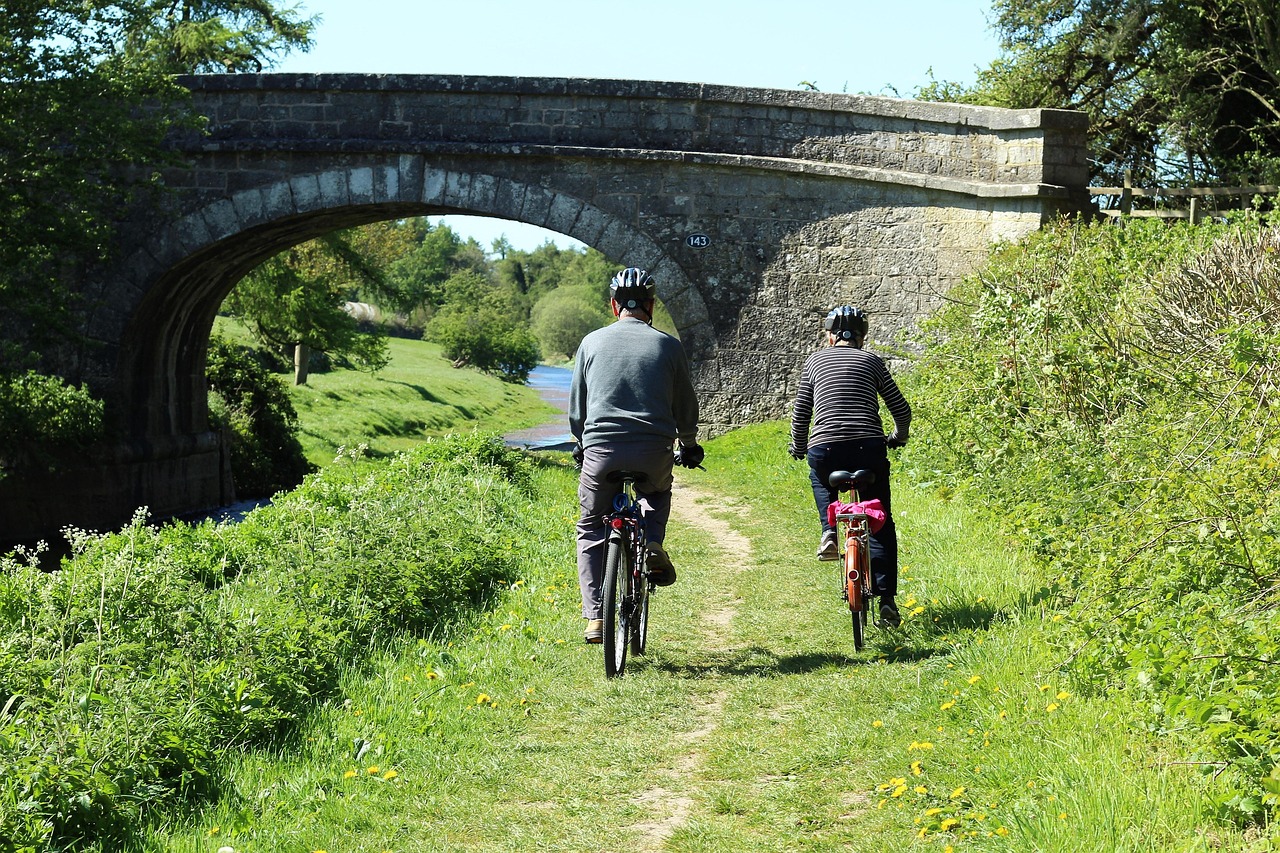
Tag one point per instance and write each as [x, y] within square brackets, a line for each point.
[552, 384]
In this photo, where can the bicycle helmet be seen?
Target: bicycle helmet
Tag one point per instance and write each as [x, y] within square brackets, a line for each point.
[846, 322]
[632, 287]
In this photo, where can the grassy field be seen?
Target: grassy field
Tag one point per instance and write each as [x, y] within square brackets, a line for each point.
[418, 395]
[751, 725]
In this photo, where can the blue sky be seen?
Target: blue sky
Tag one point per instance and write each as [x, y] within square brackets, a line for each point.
[855, 46]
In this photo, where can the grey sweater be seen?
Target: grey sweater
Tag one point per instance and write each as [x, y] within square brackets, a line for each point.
[631, 383]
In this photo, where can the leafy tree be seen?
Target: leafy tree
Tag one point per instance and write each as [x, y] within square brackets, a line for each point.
[1186, 91]
[487, 339]
[295, 301]
[563, 317]
[192, 36]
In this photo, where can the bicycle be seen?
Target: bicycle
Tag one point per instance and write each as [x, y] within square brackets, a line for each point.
[855, 560]
[627, 584]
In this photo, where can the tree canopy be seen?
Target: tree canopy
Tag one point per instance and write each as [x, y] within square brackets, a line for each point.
[1176, 92]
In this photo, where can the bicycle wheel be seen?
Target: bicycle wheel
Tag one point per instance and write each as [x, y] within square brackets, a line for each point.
[640, 630]
[853, 592]
[617, 621]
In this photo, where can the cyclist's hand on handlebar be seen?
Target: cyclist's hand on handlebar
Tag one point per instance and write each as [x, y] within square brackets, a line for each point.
[577, 455]
[690, 455]
[795, 452]
[895, 440]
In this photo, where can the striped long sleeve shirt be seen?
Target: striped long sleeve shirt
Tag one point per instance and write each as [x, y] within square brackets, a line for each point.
[839, 387]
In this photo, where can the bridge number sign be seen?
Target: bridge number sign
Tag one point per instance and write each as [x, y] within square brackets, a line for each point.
[697, 241]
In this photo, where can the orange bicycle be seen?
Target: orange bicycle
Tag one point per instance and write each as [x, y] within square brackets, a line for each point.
[855, 561]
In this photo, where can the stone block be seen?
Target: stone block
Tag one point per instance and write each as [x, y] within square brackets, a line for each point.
[434, 185]
[306, 192]
[333, 188]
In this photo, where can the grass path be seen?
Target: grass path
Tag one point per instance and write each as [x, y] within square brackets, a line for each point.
[750, 725]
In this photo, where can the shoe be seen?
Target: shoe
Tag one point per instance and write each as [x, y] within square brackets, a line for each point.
[827, 548]
[889, 616]
[595, 631]
[661, 572]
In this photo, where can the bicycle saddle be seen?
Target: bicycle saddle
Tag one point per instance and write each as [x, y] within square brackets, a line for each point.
[843, 481]
[633, 476]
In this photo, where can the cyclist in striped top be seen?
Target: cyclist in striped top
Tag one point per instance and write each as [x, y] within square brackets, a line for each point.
[840, 391]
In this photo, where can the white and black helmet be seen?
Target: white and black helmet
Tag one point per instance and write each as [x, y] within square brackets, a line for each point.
[846, 323]
[632, 287]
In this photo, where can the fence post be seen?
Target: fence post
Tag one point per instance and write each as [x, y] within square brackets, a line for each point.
[1126, 194]
[1195, 210]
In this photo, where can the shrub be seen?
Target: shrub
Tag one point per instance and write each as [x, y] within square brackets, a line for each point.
[128, 672]
[42, 416]
[563, 317]
[254, 406]
[1111, 394]
[486, 339]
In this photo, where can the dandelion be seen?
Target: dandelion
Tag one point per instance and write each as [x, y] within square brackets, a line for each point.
[373, 771]
[899, 791]
[1044, 687]
[1051, 707]
[505, 627]
[214, 830]
[389, 775]
[880, 805]
[1062, 694]
[919, 745]
[351, 774]
[921, 789]
[1004, 715]
[924, 830]
[917, 611]
[432, 675]
[948, 849]
[948, 824]
[916, 768]
[1003, 832]
[878, 724]
[958, 792]
[974, 679]
[947, 706]
[482, 698]
[932, 812]
[1062, 815]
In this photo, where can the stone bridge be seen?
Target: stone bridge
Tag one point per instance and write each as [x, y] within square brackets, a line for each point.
[756, 209]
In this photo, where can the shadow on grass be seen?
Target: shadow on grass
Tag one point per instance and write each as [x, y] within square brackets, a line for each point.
[422, 392]
[759, 662]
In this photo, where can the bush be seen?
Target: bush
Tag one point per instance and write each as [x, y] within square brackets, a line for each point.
[42, 416]
[486, 339]
[1112, 394]
[253, 405]
[128, 672]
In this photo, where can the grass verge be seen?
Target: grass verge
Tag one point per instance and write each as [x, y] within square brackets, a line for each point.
[751, 724]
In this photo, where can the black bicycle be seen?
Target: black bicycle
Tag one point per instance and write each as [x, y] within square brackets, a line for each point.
[627, 584]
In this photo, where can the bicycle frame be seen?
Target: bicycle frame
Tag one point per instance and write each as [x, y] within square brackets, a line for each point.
[626, 583]
[855, 562]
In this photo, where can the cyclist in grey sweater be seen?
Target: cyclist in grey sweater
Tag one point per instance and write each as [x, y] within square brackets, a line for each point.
[840, 391]
[630, 400]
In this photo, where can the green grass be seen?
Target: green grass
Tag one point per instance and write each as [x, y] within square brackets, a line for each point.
[418, 395]
[751, 725]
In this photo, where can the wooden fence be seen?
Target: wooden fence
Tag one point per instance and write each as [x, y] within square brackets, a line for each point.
[1197, 197]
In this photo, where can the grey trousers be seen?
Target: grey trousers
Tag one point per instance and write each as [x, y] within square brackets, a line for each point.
[595, 499]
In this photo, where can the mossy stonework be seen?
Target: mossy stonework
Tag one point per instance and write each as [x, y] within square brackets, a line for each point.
[755, 209]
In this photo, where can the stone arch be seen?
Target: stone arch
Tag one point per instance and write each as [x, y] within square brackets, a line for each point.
[189, 267]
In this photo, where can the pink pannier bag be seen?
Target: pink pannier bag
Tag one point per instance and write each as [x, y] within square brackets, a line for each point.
[873, 509]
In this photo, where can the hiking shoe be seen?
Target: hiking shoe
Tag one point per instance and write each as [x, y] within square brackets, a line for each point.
[827, 548]
[595, 631]
[889, 616]
[661, 572]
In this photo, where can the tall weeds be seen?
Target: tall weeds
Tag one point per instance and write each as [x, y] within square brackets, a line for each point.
[126, 673]
[1111, 393]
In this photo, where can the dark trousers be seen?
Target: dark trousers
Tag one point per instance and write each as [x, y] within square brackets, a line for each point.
[869, 453]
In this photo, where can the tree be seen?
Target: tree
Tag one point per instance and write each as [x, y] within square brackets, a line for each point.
[85, 106]
[295, 300]
[563, 317]
[193, 36]
[1175, 92]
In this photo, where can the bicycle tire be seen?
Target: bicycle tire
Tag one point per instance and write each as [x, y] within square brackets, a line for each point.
[617, 621]
[853, 579]
[640, 630]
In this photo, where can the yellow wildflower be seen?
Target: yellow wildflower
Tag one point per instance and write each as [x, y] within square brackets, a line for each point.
[1062, 694]
[389, 775]
[916, 768]
[373, 771]
[948, 823]
[878, 724]
[1002, 831]
[1051, 707]
[899, 791]
[947, 706]
[919, 745]
[958, 792]
[351, 774]
[974, 679]
[933, 811]
[921, 789]
[482, 698]
[1062, 815]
